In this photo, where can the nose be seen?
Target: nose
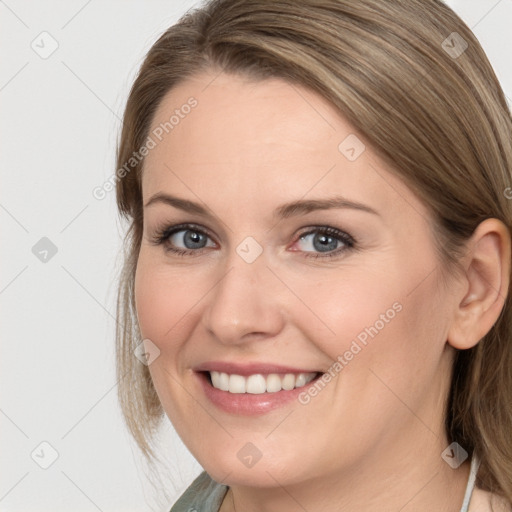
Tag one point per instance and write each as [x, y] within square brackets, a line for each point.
[246, 303]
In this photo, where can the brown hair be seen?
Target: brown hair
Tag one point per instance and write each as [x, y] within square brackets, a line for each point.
[430, 107]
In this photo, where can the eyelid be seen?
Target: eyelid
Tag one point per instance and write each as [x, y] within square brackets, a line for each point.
[168, 229]
[344, 235]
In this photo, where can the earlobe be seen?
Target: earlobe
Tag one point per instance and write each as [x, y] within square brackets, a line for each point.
[486, 284]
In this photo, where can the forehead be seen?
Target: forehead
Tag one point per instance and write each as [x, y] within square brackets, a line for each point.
[260, 141]
[235, 116]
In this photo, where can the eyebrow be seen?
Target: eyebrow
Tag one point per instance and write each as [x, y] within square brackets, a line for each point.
[284, 211]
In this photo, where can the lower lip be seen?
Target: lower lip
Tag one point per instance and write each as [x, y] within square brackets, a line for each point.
[248, 404]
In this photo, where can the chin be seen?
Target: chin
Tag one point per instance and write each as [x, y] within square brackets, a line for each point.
[265, 472]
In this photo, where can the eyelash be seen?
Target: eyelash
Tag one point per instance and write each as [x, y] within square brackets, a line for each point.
[162, 234]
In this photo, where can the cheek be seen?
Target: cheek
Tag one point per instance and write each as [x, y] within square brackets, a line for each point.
[165, 298]
[166, 301]
[401, 360]
[151, 302]
[339, 307]
[375, 320]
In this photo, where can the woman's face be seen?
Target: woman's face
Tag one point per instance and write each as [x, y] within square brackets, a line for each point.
[346, 283]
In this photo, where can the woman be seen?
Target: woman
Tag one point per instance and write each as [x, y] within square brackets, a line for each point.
[318, 258]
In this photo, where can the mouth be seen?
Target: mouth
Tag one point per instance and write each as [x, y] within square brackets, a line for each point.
[252, 388]
[258, 384]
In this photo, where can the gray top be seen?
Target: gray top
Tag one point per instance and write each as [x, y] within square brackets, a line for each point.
[206, 495]
[203, 495]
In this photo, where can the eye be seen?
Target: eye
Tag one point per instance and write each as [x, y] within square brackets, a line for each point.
[190, 239]
[327, 241]
[183, 239]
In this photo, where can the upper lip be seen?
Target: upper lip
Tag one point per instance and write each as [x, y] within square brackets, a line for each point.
[248, 368]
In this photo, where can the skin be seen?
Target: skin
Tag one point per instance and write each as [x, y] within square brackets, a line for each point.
[372, 438]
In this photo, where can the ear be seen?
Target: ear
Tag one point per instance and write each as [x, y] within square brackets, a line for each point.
[485, 286]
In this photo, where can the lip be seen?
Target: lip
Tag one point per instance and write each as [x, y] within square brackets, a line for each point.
[249, 368]
[247, 404]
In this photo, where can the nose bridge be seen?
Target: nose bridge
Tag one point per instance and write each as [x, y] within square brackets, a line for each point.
[243, 301]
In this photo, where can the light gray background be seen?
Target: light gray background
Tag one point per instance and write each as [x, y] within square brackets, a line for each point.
[59, 124]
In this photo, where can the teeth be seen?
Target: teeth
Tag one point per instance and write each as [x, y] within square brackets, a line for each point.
[288, 381]
[273, 383]
[301, 380]
[258, 384]
[224, 381]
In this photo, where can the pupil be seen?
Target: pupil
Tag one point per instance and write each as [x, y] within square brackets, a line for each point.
[325, 243]
[193, 238]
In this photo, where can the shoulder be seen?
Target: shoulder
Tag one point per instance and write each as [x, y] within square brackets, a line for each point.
[203, 495]
[483, 501]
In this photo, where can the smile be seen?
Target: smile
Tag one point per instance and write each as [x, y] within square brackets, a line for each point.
[257, 383]
[252, 388]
